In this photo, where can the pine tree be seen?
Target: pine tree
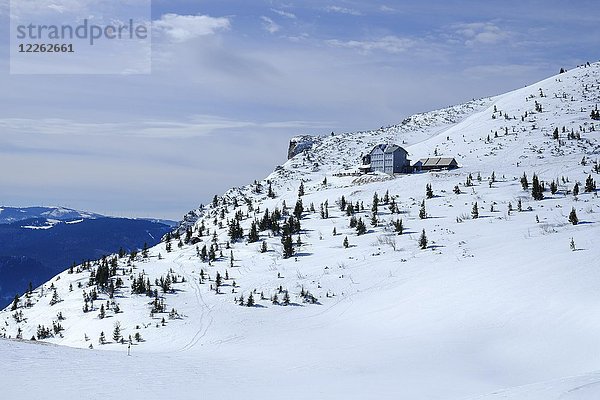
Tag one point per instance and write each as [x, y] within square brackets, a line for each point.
[456, 190]
[102, 313]
[398, 227]
[298, 209]
[469, 181]
[590, 184]
[361, 229]
[15, 303]
[286, 298]
[475, 211]
[270, 192]
[301, 189]
[422, 212]
[55, 299]
[250, 301]
[555, 134]
[346, 243]
[576, 189]
[572, 245]
[423, 240]
[117, 332]
[374, 220]
[288, 246]
[253, 234]
[524, 182]
[573, 217]
[263, 247]
[428, 191]
[102, 338]
[537, 190]
[353, 222]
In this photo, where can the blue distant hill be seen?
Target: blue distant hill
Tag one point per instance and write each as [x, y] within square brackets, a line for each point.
[38, 242]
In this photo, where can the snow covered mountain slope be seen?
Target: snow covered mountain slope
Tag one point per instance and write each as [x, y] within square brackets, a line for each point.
[13, 214]
[38, 242]
[501, 297]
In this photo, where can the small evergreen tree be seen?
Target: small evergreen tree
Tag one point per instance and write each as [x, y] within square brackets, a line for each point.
[55, 299]
[537, 190]
[102, 313]
[361, 229]
[288, 246]
[250, 301]
[475, 211]
[524, 182]
[590, 184]
[253, 234]
[576, 189]
[398, 227]
[270, 192]
[102, 338]
[573, 217]
[263, 247]
[117, 332]
[301, 189]
[374, 220]
[428, 191]
[375, 205]
[286, 298]
[15, 303]
[469, 181]
[423, 240]
[422, 211]
[346, 243]
[456, 190]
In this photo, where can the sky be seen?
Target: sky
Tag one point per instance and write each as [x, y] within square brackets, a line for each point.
[233, 80]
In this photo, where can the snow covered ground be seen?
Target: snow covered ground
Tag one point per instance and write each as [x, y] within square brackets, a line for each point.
[501, 301]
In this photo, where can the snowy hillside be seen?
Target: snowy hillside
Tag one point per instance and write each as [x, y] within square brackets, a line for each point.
[504, 293]
[14, 214]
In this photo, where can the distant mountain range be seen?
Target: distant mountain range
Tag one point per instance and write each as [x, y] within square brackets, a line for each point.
[36, 243]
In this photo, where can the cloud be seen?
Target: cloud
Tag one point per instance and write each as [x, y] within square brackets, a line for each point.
[342, 10]
[284, 13]
[180, 28]
[387, 9]
[190, 127]
[269, 25]
[388, 44]
[479, 33]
